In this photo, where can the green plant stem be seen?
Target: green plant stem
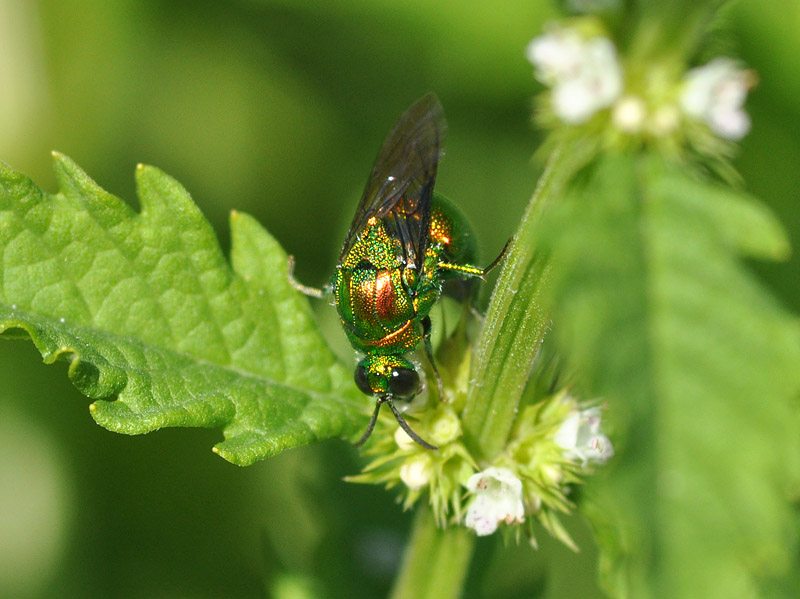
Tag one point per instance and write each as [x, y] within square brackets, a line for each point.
[436, 560]
[516, 321]
[670, 29]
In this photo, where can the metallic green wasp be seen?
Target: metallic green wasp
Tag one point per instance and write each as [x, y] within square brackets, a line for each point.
[403, 244]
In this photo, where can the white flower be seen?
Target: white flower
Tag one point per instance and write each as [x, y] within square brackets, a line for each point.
[584, 73]
[715, 94]
[497, 498]
[581, 439]
[556, 55]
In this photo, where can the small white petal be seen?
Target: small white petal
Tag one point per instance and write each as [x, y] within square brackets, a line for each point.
[567, 434]
[591, 417]
[695, 98]
[733, 90]
[573, 102]
[498, 498]
[715, 94]
[555, 55]
[585, 74]
[730, 124]
[492, 475]
[603, 70]
[479, 519]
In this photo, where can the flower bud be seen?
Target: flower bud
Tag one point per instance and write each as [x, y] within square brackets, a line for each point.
[416, 473]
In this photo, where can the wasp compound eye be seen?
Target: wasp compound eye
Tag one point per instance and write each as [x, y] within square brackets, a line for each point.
[403, 382]
[361, 380]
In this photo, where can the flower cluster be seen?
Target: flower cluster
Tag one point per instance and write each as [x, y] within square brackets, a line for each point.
[581, 67]
[553, 443]
[399, 462]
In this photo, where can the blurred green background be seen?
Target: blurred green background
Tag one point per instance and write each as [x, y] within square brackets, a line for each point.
[277, 108]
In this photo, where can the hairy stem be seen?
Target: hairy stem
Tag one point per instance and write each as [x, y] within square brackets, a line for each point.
[436, 560]
[516, 321]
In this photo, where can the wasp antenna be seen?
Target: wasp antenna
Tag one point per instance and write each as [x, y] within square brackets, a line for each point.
[497, 260]
[404, 425]
[371, 424]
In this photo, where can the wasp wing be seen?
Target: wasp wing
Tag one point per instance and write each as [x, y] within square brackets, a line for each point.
[400, 187]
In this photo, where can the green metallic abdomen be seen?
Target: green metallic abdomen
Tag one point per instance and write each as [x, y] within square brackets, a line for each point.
[376, 310]
[381, 301]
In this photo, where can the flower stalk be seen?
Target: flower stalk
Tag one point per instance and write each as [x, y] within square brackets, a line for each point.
[516, 321]
[435, 562]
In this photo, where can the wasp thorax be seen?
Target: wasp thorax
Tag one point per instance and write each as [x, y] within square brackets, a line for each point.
[382, 375]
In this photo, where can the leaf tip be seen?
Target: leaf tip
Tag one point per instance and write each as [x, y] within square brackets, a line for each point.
[146, 173]
[231, 457]
[60, 161]
[66, 164]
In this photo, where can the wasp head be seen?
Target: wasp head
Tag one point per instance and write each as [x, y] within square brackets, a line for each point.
[387, 375]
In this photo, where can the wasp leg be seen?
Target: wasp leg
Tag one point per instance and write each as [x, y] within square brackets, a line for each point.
[304, 289]
[468, 270]
[426, 337]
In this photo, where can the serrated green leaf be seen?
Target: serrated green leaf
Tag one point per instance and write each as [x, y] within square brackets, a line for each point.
[146, 308]
[699, 366]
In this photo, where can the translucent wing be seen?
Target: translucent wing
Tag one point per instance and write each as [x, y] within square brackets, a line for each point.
[400, 186]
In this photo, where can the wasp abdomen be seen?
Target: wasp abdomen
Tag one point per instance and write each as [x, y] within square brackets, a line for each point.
[376, 308]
